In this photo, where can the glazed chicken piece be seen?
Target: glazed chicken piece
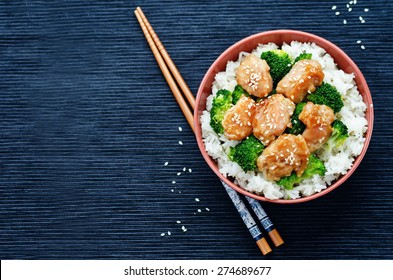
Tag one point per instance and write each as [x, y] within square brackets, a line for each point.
[272, 117]
[303, 78]
[253, 75]
[318, 119]
[288, 153]
[237, 122]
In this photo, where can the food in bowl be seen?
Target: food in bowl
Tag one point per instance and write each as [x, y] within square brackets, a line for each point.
[283, 121]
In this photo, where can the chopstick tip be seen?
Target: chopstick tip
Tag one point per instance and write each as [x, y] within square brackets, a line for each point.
[264, 246]
[276, 237]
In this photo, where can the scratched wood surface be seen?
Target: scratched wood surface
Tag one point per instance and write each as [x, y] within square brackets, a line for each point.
[87, 123]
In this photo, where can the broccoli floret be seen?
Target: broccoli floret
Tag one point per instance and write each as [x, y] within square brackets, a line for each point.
[302, 56]
[314, 166]
[279, 62]
[338, 136]
[328, 95]
[297, 125]
[222, 102]
[246, 153]
[237, 93]
[289, 181]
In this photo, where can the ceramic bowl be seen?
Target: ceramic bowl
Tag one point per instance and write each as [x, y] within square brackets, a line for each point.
[343, 61]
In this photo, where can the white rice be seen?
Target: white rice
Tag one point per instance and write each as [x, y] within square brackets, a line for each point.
[337, 161]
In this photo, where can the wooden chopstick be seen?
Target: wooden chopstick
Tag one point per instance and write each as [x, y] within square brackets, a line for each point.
[168, 77]
[168, 60]
[265, 221]
[248, 220]
[153, 39]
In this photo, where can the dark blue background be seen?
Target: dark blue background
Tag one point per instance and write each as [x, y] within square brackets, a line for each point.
[87, 122]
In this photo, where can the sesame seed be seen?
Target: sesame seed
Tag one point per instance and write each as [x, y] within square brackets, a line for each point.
[345, 21]
[360, 18]
[190, 170]
[163, 234]
[180, 129]
[362, 47]
[173, 182]
[349, 9]
[358, 41]
[169, 233]
[334, 7]
[178, 222]
[180, 143]
[366, 10]
[179, 191]
[197, 199]
[166, 163]
[184, 169]
[172, 190]
[178, 173]
[337, 13]
[199, 210]
[207, 209]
